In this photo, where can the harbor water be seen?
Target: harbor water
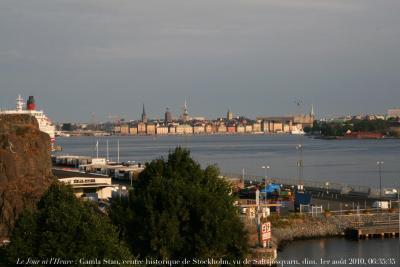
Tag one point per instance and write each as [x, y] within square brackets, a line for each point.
[341, 252]
[351, 162]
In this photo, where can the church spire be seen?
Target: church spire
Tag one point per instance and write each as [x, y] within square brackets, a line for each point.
[144, 116]
[185, 116]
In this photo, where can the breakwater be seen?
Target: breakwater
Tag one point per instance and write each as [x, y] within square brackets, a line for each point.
[307, 227]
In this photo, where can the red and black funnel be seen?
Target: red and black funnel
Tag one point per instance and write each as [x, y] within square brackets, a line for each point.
[30, 104]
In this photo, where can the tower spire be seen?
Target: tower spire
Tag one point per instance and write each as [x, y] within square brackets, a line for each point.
[185, 116]
[312, 110]
[144, 116]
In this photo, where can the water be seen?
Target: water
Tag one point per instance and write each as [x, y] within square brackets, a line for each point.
[372, 252]
[351, 162]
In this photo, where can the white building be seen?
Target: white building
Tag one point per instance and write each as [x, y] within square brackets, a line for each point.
[87, 185]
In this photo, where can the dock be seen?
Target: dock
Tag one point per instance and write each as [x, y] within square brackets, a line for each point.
[386, 228]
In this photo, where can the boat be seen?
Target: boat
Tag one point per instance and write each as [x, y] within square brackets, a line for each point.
[297, 131]
[45, 124]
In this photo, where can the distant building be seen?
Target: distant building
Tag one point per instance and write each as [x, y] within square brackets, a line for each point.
[229, 115]
[162, 130]
[133, 130]
[117, 129]
[286, 124]
[172, 129]
[167, 116]
[198, 129]
[125, 129]
[222, 128]
[185, 115]
[257, 127]
[208, 128]
[240, 128]
[248, 128]
[184, 129]
[141, 128]
[265, 126]
[393, 113]
[231, 129]
[151, 129]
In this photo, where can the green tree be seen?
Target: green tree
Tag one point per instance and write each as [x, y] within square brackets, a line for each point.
[67, 228]
[178, 210]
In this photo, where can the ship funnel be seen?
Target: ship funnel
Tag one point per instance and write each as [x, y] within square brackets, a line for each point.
[30, 104]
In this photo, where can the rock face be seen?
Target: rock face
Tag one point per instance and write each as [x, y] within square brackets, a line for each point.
[25, 167]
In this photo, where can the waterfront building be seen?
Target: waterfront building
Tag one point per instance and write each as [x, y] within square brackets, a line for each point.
[208, 128]
[277, 127]
[248, 128]
[141, 128]
[240, 128]
[257, 127]
[117, 129]
[144, 116]
[151, 129]
[167, 116]
[393, 113]
[222, 128]
[133, 130]
[162, 130]
[231, 129]
[172, 129]
[125, 129]
[198, 129]
[287, 128]
[184, 129]
[265, 126]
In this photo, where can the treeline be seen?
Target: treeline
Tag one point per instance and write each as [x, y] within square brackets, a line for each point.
[176, 211]
[335, 128]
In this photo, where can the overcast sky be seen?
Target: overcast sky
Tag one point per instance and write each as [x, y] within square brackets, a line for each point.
[255, 57]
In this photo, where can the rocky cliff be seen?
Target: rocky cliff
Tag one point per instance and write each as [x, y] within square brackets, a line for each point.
[25, 167]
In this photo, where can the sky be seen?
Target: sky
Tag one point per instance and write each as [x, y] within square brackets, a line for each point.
[255, 57]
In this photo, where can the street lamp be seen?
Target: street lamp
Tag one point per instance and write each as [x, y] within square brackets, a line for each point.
[380, 163]
[131, 174]
[265, 179]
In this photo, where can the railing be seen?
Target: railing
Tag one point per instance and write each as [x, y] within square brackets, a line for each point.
[310, 184]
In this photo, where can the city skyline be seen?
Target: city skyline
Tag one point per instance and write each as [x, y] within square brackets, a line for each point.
[255, 57]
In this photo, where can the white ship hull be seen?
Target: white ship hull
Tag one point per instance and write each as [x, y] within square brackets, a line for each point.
[45, 125]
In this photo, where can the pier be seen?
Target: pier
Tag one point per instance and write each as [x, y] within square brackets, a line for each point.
[389, 227]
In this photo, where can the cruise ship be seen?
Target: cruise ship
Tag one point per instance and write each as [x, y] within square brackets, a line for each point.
[45, 125]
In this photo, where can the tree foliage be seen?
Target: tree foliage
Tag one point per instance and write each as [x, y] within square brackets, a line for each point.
[335, 128]
[178, 210]
[65, 227]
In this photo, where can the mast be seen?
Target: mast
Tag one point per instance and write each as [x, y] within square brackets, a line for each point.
[107, 150]
[97, 149]
[118, 152]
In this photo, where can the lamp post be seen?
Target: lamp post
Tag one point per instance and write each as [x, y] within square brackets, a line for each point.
[131, 174]
[265, 167]
[380, 163]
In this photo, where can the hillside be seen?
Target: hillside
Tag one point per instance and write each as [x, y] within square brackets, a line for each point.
[25, 167]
